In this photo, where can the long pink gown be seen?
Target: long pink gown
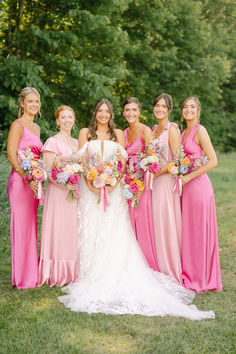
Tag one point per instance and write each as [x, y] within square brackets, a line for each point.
[24, 254]
[141, 216]
[167, 216]
[58, 261]
[200, 253]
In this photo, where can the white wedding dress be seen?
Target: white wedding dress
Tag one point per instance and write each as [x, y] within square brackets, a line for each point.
[114, 276]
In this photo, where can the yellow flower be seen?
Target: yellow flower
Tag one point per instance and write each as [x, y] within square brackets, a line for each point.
[185, 161]
[140, 185]
[92, 175]
[171, 164]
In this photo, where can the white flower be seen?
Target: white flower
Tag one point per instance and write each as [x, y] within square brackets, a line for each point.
[113, 183]
[76, 167]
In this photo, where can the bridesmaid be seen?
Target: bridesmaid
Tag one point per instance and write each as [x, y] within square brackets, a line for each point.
[58, 261]
[136, 136]
[166, 204]
[200, 253]
[24, 132]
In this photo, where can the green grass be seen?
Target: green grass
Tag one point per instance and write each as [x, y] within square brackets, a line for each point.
[33, 321]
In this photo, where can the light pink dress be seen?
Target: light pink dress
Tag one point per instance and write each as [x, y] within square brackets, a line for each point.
[200, 253]
[141, 216]
[58, 261]
[167, 216]
[24, 254]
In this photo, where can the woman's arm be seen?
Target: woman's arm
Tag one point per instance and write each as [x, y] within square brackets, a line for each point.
[14, 136]
[203, 139]
[147, 135]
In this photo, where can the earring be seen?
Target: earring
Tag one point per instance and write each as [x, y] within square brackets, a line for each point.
[21, 110]
[57, 127]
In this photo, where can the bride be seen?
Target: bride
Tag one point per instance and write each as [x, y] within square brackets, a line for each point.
[114, 276]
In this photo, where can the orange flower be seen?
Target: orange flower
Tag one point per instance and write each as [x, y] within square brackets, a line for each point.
[34, 163]
[151, 152]
[186, 161]
[133, 181]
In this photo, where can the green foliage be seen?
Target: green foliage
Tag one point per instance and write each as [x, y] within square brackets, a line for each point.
[76, 52]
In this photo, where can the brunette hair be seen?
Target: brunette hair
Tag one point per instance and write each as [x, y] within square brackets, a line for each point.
[167, 98]
[132, 100]
[23, 93]
[93, 124]
[198, 104]
[63, 108]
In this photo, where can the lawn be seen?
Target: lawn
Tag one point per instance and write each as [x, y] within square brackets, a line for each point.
[33, 321]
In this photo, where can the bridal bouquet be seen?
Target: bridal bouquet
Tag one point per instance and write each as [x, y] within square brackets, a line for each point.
[68, 172]
[33, 169]
[150, 160]
[181, 165]
[133, 180]
[104, 173]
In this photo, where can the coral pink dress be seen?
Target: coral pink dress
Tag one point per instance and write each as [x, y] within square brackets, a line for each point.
[24, 255]
[167, 216]
[141, 216]
[58, 261]
[200, 253]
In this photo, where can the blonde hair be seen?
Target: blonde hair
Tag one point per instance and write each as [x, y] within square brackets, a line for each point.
[198, 104]
[23, 93]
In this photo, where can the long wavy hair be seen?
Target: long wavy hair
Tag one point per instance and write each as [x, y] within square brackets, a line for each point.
[93, 124]
[198, 104]
[25, 92]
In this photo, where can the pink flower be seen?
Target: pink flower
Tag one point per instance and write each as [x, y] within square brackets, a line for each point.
[27, 178]
[154, 167]
[74, 179]
[120, 165]
[128, 179]
[54, 173]
[133, 188]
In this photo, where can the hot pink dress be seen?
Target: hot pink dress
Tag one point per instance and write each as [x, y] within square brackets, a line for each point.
[167, 216]
[141, 216]
[24, 255]
[58, 261]
[200, 253]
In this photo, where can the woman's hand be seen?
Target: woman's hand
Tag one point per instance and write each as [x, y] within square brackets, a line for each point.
[137, 196]
[33, 185]
[185, 179]
[71, 187]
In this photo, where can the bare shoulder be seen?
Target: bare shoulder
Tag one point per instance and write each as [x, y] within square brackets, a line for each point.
[201, 130]
[16, 127]
[146, 129]
[83, 132]
[174, 129]
[120, 137]
[36, 127]
[119, 132]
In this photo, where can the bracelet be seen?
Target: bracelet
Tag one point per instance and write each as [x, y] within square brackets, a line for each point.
[18, 168]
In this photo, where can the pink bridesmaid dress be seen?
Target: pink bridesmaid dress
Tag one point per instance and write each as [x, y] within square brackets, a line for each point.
[24, 254]
[200, 253]
[58, 261]
[167, 216]
[141, 216]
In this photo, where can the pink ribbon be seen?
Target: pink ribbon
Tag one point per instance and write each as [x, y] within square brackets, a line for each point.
[40, 193]
[149, 180]
[77, 192]
[178, 186]
[105, 198]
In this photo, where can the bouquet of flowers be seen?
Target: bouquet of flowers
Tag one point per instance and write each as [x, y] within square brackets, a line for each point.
[150, 160]
[68, 172]
[181, 165]
[33, 169]
[133, 180]
[104, 173]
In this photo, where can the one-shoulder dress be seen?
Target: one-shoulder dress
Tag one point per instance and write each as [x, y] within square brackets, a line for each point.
[200, 252]
[24, 255]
